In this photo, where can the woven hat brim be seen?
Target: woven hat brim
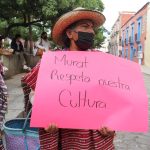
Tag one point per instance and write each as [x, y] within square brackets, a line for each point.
[71, 17]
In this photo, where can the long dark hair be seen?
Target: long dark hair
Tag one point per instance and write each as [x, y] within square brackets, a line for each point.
[65, 39]
[17, 36]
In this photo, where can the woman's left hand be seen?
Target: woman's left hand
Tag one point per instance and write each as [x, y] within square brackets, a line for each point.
[52, 128]
[106, 131]
[1, 134]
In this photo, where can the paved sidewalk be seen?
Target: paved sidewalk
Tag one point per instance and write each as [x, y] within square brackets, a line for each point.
[145, 69]
[15, 99]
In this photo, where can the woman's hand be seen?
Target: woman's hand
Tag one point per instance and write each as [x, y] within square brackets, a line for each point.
[52, 128]
[1, 134]
[106, 131]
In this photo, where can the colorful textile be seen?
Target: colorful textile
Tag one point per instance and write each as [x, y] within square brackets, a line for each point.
[3, 100]
[28, 82]
[67, 139]
[3, 104]
[1, 146]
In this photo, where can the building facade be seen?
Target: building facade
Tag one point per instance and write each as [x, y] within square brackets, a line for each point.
[114, 45]
[134, 37]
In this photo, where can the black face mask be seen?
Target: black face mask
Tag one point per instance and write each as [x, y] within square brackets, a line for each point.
[85, 40]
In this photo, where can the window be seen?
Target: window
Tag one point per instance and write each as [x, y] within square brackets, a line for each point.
[127, 34]
[139, 28]
[123, 38]
[140, 52]
[139, 47]
[131, 53]
[132, 32]
[122, 52]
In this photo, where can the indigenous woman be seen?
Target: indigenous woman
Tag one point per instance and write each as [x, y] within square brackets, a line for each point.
[74, 31]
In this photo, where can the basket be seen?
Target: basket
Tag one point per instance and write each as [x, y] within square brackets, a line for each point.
[5, 52]
[20, 136]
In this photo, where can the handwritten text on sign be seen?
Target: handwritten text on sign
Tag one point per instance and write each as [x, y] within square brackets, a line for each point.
[86, 90]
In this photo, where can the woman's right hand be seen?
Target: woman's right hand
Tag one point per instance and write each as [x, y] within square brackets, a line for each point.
[105, 131]
[1, 134]
[52, 128]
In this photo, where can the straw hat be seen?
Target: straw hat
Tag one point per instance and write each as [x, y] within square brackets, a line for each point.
[73, 16]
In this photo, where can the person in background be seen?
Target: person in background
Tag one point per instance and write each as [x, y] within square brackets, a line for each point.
[18, 48]
[3, 103]
[42, 45]
[1, 41]
[3, 68]
[7, 42]
[74, 31]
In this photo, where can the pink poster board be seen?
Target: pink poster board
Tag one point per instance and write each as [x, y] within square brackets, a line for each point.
[88, 90]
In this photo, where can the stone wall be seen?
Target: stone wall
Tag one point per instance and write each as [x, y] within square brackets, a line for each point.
[14, 63]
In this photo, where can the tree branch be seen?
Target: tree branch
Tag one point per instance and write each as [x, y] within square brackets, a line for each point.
[24, 24]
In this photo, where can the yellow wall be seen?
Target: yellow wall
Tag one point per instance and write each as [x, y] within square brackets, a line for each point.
[147, 41]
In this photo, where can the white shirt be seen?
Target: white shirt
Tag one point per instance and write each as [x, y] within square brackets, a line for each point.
[43, 44]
